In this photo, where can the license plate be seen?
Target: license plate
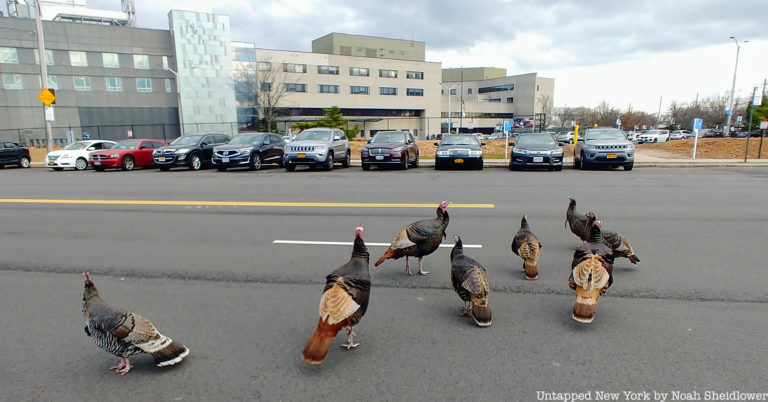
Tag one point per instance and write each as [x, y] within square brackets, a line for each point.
[96, 163]
[379, 158]
[161, 158]
[50, 163]
[301, 156]
[224, 160]
[538, 159]
[458, 161]
[611, 156]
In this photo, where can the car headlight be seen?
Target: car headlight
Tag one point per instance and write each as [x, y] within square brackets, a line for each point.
[182, 150]
[114, 156]
[442, 153]
[245, 149]
[476, 153]
[156, 152]
[556, 152]
[630, 147]
[517, 150]
[321, 147]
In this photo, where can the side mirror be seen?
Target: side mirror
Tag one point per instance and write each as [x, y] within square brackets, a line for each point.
[369, 141]
[511, 143]
[436, 144]
[336, 138]
[482, 144]
[203, 144]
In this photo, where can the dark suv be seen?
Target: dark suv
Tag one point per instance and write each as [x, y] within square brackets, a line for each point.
[193, 151]
[12, 153]
[249, 150]
[394, 148]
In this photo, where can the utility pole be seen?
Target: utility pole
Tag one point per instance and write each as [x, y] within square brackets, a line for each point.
[658, 114]
[43, 72]
[733, 88]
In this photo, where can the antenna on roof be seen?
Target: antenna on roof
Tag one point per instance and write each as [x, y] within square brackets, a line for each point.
[130, 9]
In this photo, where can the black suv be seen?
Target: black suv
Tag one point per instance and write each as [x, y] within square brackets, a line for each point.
[193, 151]
[12, 153]
[249, 150]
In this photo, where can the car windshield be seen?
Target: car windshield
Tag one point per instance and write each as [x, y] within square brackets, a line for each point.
[313, 135]
[388, 138]
[77, 145]
[607, 134]
[459, 140]
[535, 140]
[187, 140]
[127, 144]
[246, 140]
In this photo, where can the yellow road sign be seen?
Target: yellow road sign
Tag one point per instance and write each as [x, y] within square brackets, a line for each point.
[46, 97]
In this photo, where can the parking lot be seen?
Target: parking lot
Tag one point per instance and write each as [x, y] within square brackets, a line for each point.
[199, 254]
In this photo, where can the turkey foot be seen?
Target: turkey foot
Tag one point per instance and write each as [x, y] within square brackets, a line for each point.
[422, 271]
[123, 367]
[350, 341]
[466, 310]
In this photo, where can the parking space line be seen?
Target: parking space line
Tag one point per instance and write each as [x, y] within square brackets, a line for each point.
[349, 243]
[236, 203]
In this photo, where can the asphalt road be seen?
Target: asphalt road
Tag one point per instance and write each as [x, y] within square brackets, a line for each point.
[690, 318]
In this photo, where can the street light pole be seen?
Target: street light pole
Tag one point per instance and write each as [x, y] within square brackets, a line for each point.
[449, 105]
[43, 72]
[178, 102]
[733, 87]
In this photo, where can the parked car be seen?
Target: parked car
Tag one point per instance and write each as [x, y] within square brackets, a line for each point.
[317, 147]
[603, 146]
[12, 153]
[631, 135]
[250, 150]
[126, 155]
[193, 151]
[75, 155]
[680, 135]
[563, 137]
[536, 150]
[459, 150]
[390, 148]
[653, 136]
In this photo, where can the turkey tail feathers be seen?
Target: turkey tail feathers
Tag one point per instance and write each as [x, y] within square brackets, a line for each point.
[633, 259]
[174, 353]
[590, 278]
[318, 345]
[387, 255]
[529, 251]
[482, 314]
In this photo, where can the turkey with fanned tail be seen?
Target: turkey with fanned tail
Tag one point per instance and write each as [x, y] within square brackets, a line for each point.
[527, 246]
[591, 274]
[471, 284]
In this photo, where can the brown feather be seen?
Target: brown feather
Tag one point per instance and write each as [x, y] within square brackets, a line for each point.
[318, 345]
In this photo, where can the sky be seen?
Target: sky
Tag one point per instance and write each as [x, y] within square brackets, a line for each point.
[634, 53]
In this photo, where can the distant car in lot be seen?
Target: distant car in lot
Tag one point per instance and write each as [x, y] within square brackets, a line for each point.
[317, 147]
[631, 135]
[12, 153]
[653, 136]
[390, 148]
[565, 137]
[250, 150]
[126, 155]
[459, 150]
[536, 150]
[603, 146]
[680, 135]
[75, 155]
[193, 151]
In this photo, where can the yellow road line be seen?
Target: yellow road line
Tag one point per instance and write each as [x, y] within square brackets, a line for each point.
[236, 203]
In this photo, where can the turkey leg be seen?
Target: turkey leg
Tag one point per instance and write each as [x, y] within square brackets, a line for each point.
[350, 341]
[407, 267]
[421, 271]
[467, 309]
[123, 367]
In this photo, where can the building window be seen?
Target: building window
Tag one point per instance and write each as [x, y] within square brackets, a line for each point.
[114, 84]
[358, 90]
[143, 84]
[329, 89]
[293, 87]
[294, 68]
[414, 92]
[265, 66]
[387, 91]
[168, 85]
[48, 57]
[82, 83]
[510, 100]
[12, 81]
[537, 87]
[469, 91]
[78, 59]
[110, 60]
[387, 73]
[141, 61]
[358, 72]
[414, 75]
[8, 55]
[53, 82]
[265, 86]
[496, 88]
[453, 91]
[165, 62]
[494, 100]
[333, 70]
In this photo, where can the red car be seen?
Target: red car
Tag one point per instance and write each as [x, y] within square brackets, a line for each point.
[126, 155]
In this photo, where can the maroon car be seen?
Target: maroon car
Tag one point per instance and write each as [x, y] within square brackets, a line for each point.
[393, 148]
[126, 155]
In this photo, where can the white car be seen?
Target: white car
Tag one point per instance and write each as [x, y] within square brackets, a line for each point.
[75, 155]
[653, 136]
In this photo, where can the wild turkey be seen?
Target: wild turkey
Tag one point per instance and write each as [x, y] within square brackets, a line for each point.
[469, 280]
[591, 274]
[344, 302]
[579, 223]
[620, 246]
[125, 334]
[418, 239]
[527, 246]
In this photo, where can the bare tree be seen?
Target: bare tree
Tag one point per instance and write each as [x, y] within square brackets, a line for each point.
[261, 84]
[545, 100]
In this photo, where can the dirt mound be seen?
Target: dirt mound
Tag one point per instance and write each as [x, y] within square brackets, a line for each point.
[707, 148]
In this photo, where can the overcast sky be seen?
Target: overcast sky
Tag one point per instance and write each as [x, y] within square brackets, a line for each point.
[624, 52]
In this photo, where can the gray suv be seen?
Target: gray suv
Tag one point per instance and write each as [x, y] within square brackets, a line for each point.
[317, 147]
[603, 146]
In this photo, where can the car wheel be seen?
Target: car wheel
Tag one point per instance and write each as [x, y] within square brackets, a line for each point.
[438, 165]
[24, 162]
[576, 162]
[345, 162]
[582, 162]
[81, 164]
[415, 161]
[629, 167]
[329, 162]
[480, 166]
[255, 162]
[58, 169]
[128, 163]
[404, 162]
[366, 166]
[221, 168]
[290, 167]
[194, 162]
[558, 168]
[570, 141]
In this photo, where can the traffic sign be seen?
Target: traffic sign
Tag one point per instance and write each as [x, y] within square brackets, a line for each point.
[698, 124]
[46, 96]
